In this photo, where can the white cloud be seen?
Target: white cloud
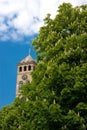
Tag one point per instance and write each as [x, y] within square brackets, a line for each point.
[24, 17]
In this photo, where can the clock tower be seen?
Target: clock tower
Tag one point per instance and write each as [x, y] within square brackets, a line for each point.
[25, 67]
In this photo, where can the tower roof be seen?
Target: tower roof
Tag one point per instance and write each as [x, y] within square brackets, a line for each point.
[27, 60]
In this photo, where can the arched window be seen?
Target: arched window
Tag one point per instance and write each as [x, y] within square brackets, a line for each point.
[20, 84]
[20, 69]
[29, 67]
[25, 68]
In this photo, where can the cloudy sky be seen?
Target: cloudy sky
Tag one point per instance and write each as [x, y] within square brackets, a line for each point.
[20, 18]
[20, 21]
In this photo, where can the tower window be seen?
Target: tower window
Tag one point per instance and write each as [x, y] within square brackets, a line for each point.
[25, 68]
[29, 67]
[20, 69]
[20, 84]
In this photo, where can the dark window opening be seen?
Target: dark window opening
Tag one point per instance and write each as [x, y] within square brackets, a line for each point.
[20, 69]
[20, 84]
[29, 67]
[25, 68]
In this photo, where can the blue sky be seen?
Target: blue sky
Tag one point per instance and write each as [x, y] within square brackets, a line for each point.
[10, 54]
[20, 21]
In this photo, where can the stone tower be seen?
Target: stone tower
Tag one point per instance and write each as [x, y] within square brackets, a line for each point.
[25, 67]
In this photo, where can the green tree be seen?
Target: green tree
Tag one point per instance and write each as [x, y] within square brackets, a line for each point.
[62, 52]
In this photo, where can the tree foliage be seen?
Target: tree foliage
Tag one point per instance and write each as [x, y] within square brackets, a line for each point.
[57, 96]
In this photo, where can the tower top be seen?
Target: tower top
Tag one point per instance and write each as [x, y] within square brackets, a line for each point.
[27, 60]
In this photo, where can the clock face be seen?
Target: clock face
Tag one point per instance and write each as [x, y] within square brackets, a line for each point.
[24, 77]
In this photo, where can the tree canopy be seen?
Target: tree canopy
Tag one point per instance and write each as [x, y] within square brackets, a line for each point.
[56, 99]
